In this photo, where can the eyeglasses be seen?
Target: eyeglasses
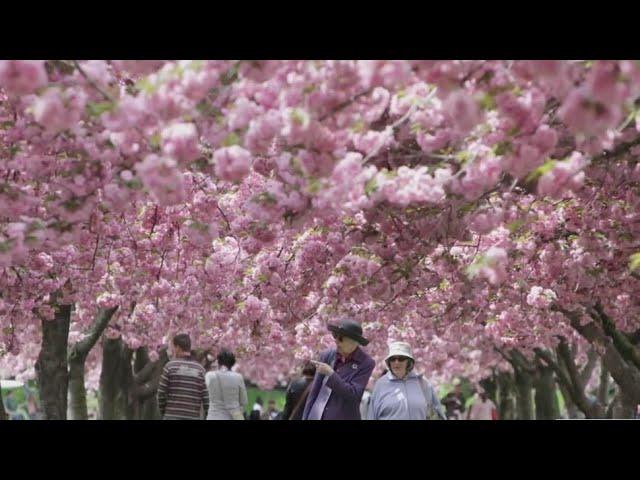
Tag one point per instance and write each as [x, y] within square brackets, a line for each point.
[398, 359]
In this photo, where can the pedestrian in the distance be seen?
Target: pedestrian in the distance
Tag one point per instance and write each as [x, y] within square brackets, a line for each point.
[483, 408]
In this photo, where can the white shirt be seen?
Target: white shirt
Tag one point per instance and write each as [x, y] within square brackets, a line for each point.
[481, 410]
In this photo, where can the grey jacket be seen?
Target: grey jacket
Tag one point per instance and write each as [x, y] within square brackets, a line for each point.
[233, 394]
[411, 398]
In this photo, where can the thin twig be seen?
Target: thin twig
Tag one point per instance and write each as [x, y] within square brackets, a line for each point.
[91, 82]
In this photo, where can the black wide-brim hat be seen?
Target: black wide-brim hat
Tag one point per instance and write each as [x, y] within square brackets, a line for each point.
[350, 329]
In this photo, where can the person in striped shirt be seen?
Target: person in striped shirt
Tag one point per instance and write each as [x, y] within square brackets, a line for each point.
[182, 393]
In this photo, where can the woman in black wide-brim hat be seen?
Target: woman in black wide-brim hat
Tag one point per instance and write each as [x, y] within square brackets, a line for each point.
[341, 376]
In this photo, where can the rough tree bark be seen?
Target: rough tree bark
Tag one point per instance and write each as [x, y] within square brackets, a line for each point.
[572, 408]
[77, 358]
[108, 393]
[603, 387]
[571, 380]
[618, 354]
[490, 386]
[505, 402]
[146, 378]
[3, 413]
[624, 407]
[51, 366]
[546, 401]
[524, 391]
[523, 382]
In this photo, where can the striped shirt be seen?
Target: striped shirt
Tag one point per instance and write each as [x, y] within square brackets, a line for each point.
[182, 393]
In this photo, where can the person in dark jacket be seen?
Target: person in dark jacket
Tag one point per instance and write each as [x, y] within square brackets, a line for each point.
[297, 393]
[341, 376]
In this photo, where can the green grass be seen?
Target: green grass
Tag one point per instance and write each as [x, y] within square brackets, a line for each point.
[266, 395]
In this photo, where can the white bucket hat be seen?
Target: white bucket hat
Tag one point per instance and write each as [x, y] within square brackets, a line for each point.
[399, 349]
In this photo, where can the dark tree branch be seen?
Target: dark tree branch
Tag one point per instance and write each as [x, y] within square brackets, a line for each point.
[621, 342]
[587, 370]
[344, 104]
[82, 348]
[90, 81]
[626, 376]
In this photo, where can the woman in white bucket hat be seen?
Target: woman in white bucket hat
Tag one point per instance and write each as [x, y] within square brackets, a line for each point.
[401, 394]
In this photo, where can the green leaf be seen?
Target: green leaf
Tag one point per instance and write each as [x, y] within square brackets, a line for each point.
[72, 204]
[96, 109]
[487, 102]
[298, 117]
[201, 227]
[134, 184]
[541, 170]
[513, 131]
[463, 157]
[154, 140]
[370, 187]
[415, 128]
[313, 186]
[146, 86]
[359, 126]
[473, 269]
[515, 225]
[196, 65]
[503, 148]
[634, 261]
[206, 108]
[296, 165]
[265, 198]
[231, 139]
[6, 246]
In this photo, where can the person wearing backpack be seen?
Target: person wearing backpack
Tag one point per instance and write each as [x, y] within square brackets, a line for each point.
[401, 394]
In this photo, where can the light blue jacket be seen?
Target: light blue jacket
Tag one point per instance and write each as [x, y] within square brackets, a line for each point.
[411, 398]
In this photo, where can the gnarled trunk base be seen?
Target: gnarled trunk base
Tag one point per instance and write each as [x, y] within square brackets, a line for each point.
[51, 366]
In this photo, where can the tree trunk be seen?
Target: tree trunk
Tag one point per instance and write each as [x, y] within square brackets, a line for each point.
[524, 404]
[145, 384]
[572, 409]
[77, 358]
[626, 406]
[111, 358]
[603, 387]
[51, 366]
[3, 413]
[490, 386]
[622, 368]
[505, 399]
[77, 391]
[547, 407]
[126, 404]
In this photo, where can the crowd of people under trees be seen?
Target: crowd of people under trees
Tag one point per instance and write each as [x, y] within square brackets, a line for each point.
[331, 388]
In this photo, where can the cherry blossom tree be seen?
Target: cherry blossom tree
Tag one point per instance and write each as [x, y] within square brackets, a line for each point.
[485, 211]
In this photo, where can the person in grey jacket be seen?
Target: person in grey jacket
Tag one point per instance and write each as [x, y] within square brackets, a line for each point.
[401, 394]
[227, 391]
